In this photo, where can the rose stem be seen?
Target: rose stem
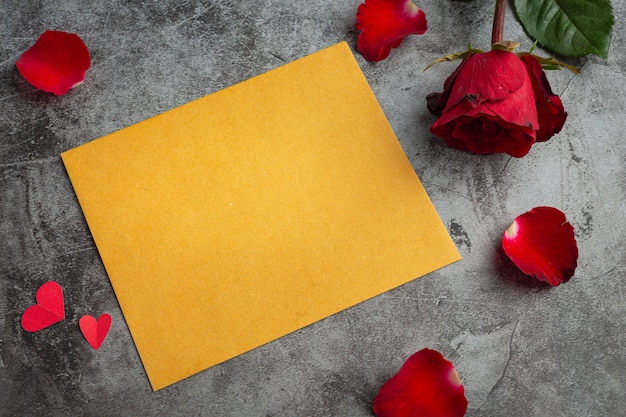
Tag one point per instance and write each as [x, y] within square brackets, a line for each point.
[498, 22]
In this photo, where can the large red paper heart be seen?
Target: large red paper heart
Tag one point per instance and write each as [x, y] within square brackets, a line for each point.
[95, 331]
[49, 309]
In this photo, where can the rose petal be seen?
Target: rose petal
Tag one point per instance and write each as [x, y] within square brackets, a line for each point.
[427, 385]
[384, 24]
[56, 62]
[550, 109]
[436, 102]
[490, 78]
[541, 243]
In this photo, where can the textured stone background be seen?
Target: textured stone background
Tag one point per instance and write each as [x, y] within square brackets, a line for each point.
[521, 348]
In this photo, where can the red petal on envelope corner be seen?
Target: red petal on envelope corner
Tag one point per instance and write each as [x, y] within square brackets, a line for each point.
[95, 331]
[56, 63]
[50, 308]
[384, 24]
[427, 385]
[541, 243]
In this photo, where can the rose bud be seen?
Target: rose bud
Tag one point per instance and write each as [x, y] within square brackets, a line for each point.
[496, 102]
[384, 24]
[541, 243]
[427, 385]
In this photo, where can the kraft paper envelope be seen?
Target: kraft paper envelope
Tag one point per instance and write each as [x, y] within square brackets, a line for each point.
[250, 213]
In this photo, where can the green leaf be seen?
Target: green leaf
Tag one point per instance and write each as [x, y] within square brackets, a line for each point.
[568, 27]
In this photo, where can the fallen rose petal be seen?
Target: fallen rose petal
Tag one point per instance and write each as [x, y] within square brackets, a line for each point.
[427, 385]
[384, 24]
[542, 244]
[56, 63]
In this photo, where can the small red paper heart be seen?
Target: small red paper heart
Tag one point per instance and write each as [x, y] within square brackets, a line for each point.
[49, 309]
[95, 331]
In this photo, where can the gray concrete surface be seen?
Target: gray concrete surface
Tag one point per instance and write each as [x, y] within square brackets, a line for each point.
[521, 348]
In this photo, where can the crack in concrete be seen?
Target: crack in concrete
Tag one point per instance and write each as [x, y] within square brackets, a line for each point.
[501, 173]
[447, 189]
[504, 368]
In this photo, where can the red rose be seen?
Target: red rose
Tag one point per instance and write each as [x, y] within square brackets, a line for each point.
[496, 102]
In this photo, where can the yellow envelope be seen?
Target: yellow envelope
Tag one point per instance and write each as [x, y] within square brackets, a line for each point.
[245, 215]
